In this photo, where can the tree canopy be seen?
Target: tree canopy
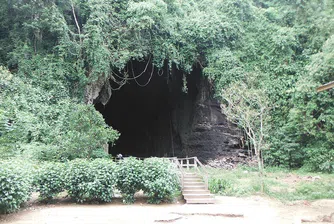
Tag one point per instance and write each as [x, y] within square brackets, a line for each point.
[56, 48]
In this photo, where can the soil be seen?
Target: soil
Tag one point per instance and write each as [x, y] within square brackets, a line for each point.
[293, 179]
[255, 209]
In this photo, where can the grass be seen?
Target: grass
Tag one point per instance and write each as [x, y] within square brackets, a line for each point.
[279, 183]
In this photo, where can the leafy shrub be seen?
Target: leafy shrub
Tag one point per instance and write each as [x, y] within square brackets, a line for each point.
[284, 151]
[47, 126]
[15, 185]
[99, 153]
[49, 180]
[220, 186]
[90, 180]
[105, 179]
[160, 180]
[39, 151]
[129, 178]
[320, 158]
[83, 133]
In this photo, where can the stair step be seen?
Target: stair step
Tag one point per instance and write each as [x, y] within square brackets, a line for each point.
[196, 191]
[193, 183]
[201, 201]
[192, 178]
[199, 184]
[197, 196]
[191, 174]
[195, 187]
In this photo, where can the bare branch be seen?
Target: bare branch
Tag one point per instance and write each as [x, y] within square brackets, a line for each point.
[76, 22]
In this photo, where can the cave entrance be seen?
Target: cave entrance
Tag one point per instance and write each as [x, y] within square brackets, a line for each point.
[152, 116]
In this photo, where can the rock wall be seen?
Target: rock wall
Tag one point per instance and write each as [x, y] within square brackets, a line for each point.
[165, 119]
[204, 131]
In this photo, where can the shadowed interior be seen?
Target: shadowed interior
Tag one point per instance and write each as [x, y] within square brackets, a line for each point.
[151, 115]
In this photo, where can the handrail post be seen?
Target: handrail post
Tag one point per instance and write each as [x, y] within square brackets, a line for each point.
[187, 164]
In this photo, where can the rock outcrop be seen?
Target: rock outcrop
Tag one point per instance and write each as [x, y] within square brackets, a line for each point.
[165, 119]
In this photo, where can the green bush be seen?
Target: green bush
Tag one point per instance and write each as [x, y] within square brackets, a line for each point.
[83, 133]
[15, 185]
[129, 178]
[320, 158]
[49, 180]
[99, 153]
[39, 151]
[105, 179]
[47, 126]
[90, 180]
[160, 180]
[220, 186]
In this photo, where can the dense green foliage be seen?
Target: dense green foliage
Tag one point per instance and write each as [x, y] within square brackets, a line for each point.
[54, 49]
[129, 178]
[49, 127]
[49, 180]
[87, 180]
[220, 186]
[287, 49]
[160, 180]
[90, 181]
[15, 185]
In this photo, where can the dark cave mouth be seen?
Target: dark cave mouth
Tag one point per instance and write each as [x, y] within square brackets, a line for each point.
[152, 119]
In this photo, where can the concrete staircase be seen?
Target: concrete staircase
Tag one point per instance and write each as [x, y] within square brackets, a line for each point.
[194, 190]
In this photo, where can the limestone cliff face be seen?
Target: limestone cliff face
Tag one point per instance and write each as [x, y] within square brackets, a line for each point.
[98, 91]
[161, 119]
[205, 133]
[211, 134]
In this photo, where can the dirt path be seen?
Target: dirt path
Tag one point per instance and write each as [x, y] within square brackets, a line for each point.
[227, 209]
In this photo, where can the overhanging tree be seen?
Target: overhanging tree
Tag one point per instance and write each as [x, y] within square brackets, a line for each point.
[248, 107]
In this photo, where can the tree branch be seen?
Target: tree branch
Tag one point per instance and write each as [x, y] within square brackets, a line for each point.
[76, 22]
